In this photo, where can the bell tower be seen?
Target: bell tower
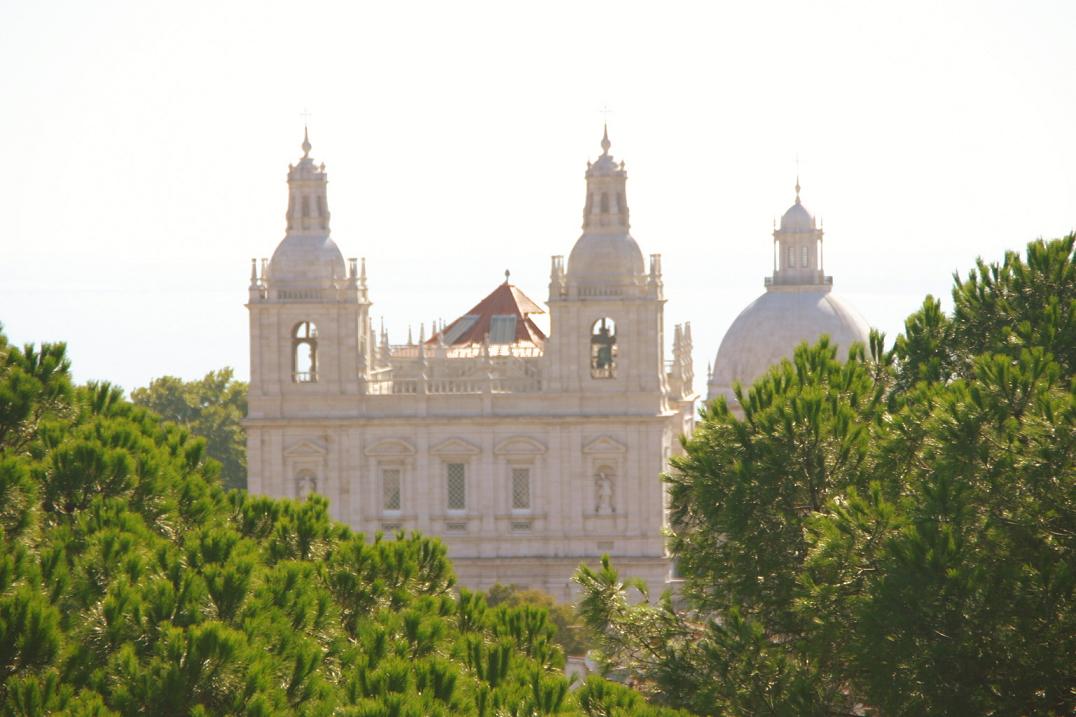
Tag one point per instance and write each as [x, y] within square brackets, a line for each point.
[606, 308]
[309, 309]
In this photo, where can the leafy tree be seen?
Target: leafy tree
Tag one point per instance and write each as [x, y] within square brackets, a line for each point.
[571, 632]
[213, 408]
[892, 535]
[133, 583]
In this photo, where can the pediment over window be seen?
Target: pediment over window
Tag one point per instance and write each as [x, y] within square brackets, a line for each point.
[391, 447]
[605, 444]
[455, 447]
[306, 449]
[519, 446]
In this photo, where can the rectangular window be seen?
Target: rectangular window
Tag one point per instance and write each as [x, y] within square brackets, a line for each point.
[791, 257]
[521, 489]
[803, 256]
[457, 486]
[390, 488]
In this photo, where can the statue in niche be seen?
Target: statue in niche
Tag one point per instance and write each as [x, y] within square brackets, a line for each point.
[603, 493]
[307, 483]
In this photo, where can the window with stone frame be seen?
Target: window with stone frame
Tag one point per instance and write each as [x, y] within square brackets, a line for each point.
[521, 488]
[390, 489]
[803, 256]
[456, 486]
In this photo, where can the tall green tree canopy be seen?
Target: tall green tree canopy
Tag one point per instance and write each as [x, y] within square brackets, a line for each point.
[213, 408]
[133, 583]
[893, 533]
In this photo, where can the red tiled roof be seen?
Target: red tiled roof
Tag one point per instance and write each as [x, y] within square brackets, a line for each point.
[505, 301]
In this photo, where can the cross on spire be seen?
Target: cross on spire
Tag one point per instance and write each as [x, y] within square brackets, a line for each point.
[797, 178]
[606, 144]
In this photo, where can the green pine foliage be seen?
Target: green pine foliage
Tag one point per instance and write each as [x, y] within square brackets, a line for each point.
[133, 583]
[889, 534]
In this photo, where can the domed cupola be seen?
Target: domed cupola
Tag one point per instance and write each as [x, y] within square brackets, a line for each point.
[798, 306]
[797, 218]
[605, 256]
[307, 259]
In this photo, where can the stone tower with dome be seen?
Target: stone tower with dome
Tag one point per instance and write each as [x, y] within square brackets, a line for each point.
[526, 453]
[798, 305]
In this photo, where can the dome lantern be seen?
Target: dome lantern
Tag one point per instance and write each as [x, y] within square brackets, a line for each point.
[798, 249]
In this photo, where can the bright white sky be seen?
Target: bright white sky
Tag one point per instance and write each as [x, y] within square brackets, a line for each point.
[147, 145]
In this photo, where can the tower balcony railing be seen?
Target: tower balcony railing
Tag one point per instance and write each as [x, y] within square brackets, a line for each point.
[453, 386]
[436, 352]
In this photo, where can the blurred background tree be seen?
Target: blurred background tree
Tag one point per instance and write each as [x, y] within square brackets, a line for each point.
[212, 408]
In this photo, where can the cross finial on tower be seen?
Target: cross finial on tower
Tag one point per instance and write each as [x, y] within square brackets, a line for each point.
[305, 114]
[797, 179]
[606, 144]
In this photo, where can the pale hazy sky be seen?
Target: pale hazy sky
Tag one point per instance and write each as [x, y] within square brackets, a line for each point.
[147, 146]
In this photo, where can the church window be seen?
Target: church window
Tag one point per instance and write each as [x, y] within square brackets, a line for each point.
[605, 203]
[456, 479]
[603, 349]
[306, 206]
[306, 483]
[791, 257]
[803, 256]
[390, 489]
[321, 206]
[304, 352]
[521, 489]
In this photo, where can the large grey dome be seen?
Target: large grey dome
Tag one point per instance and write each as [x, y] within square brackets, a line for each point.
[307, 260]
[771, 327]
[600, 259]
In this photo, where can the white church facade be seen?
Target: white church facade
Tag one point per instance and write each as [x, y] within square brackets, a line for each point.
[525, 453]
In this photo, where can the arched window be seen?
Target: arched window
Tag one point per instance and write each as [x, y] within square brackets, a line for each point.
[603, 349]
[304, 352]
[803, 256]
[306, 483]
